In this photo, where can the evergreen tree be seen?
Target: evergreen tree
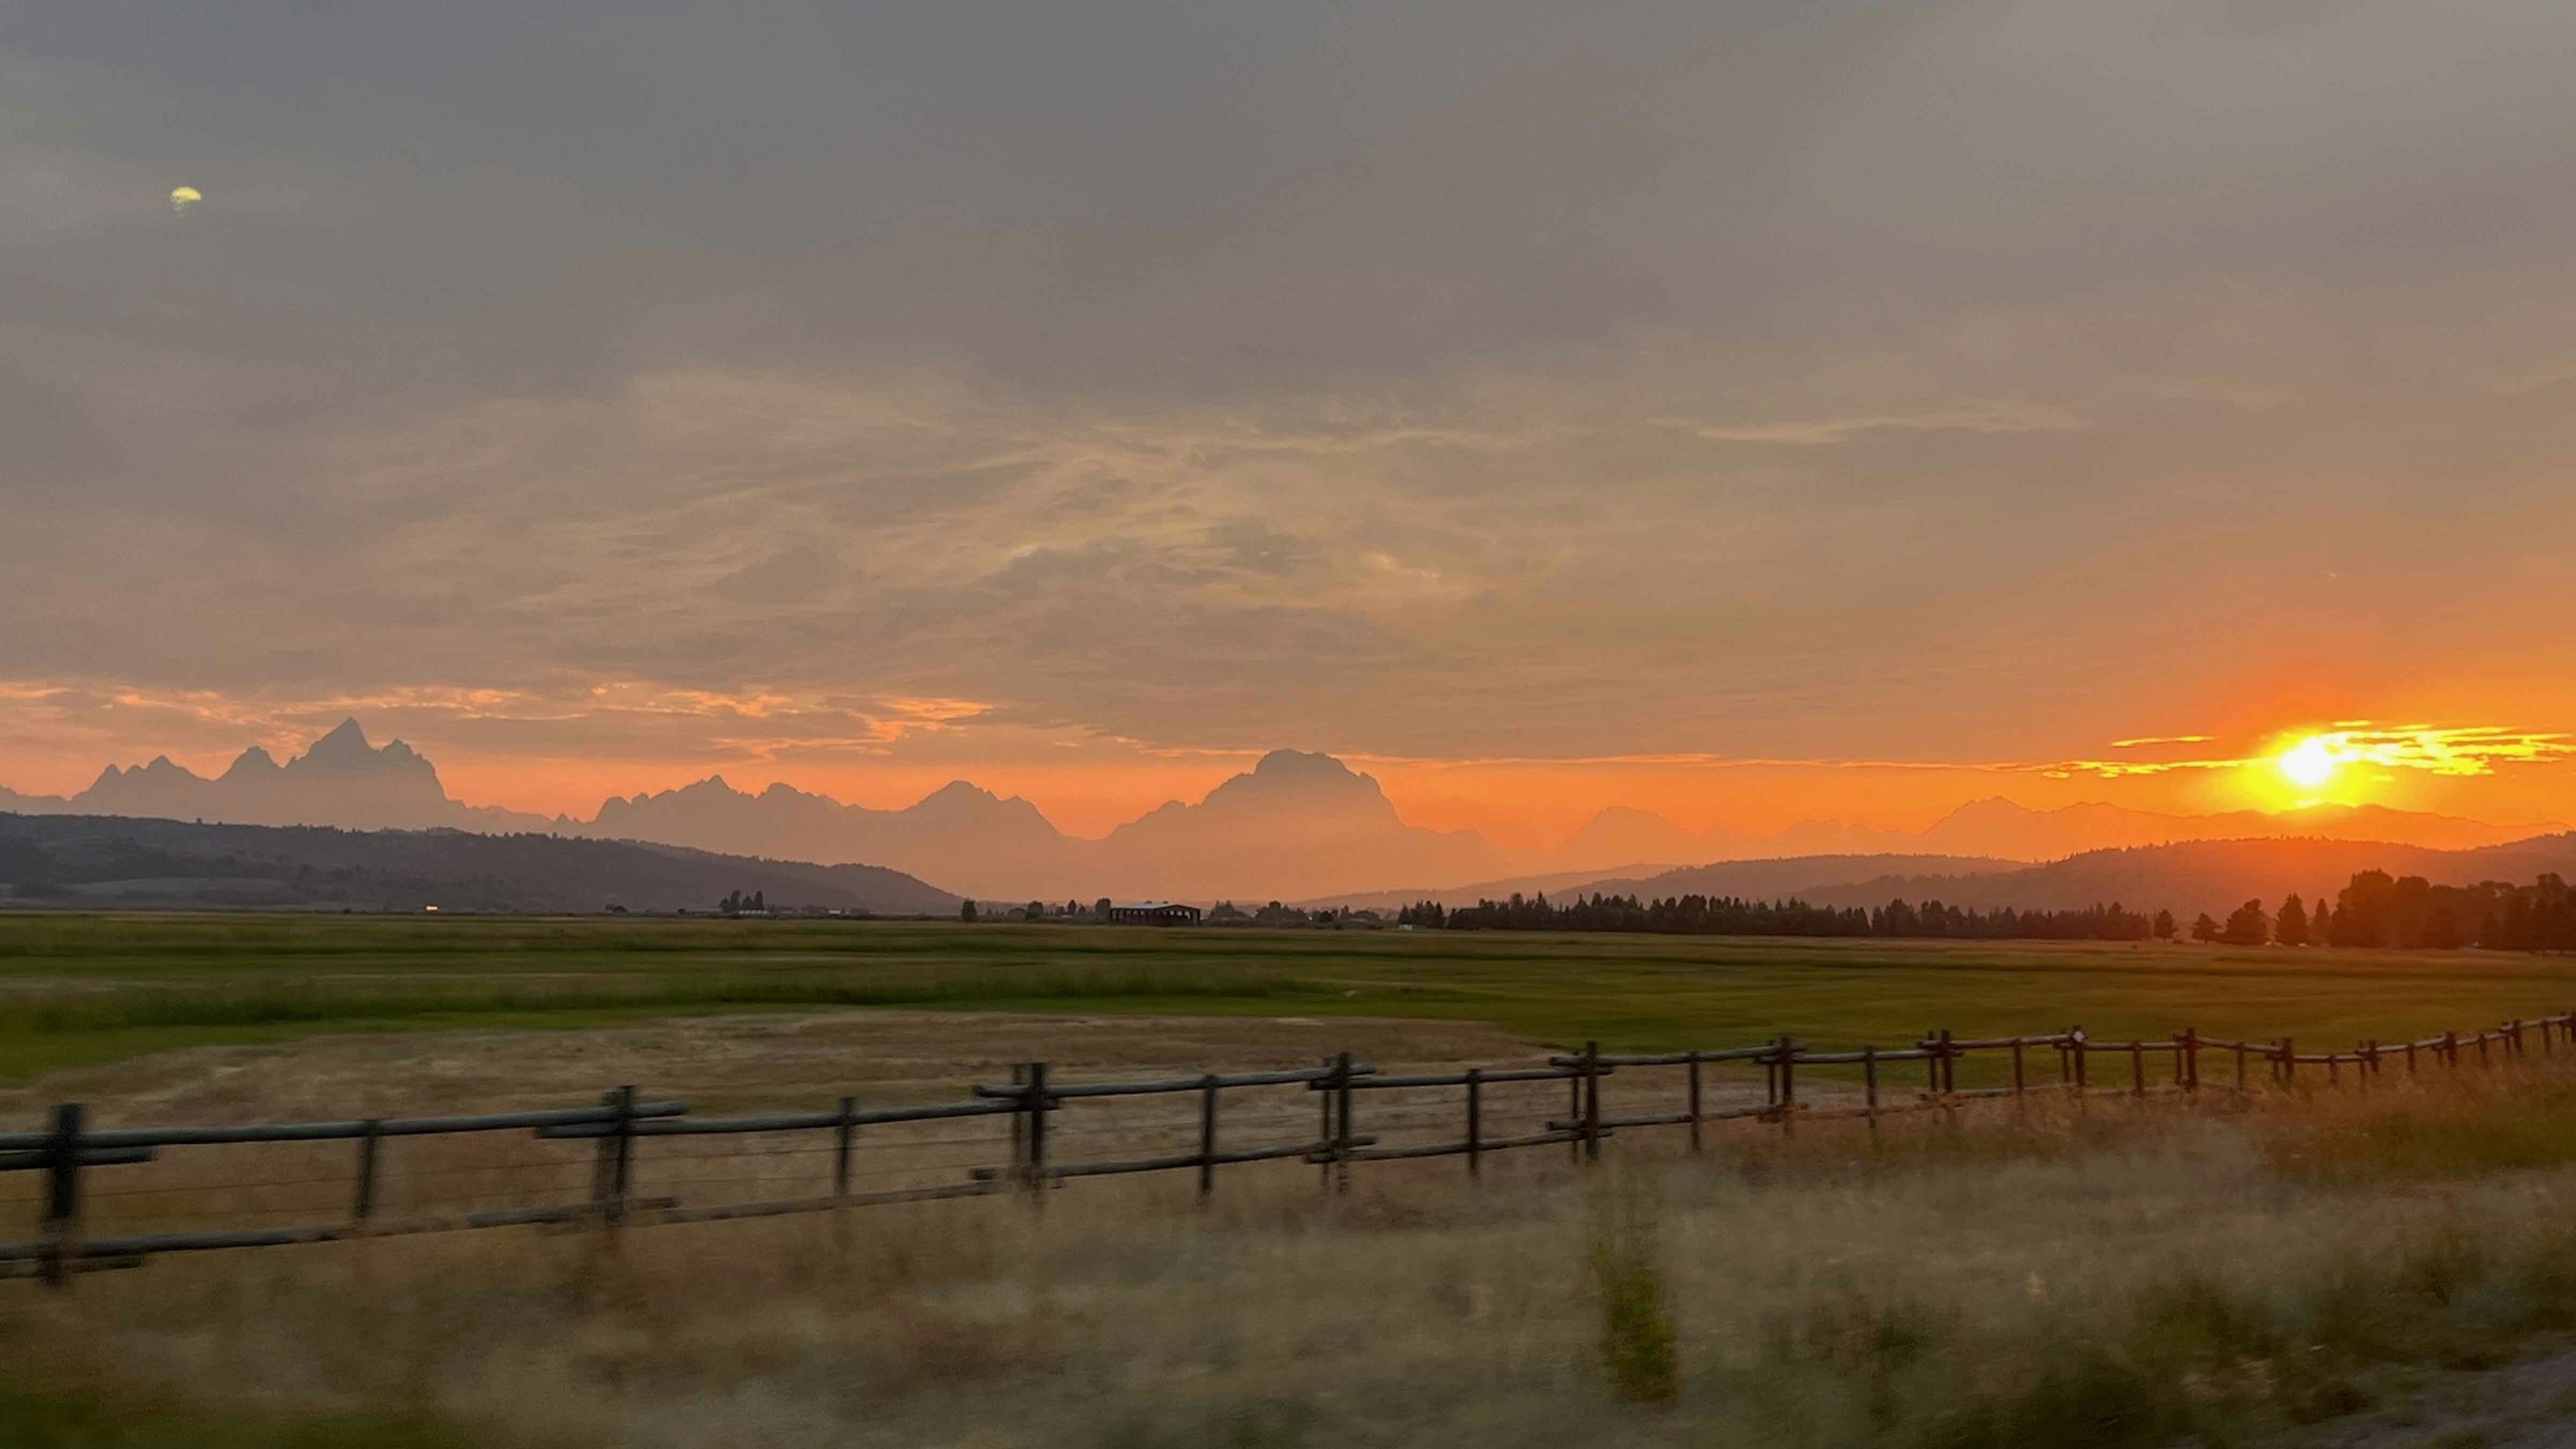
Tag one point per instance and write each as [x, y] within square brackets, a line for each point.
[2164, 925]
[2290, 928]
[2204, 929]
[966, 911]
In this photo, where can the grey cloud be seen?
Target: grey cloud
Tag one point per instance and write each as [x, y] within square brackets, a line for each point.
[1211, 375]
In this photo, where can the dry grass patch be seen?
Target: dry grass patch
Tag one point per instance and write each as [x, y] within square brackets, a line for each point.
[2109, 1274]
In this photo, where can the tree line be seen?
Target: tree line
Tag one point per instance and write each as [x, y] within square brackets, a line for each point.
[2375, 910]
[2410, 913]
[1699, 915]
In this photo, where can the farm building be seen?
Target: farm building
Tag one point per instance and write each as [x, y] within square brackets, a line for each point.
[1153, 913]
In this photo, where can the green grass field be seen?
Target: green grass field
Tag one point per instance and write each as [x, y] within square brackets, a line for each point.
[77, 990]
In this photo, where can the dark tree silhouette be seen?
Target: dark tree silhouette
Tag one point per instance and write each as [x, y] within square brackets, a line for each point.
[2204, 929]
[2290, 928]
[2246, 926]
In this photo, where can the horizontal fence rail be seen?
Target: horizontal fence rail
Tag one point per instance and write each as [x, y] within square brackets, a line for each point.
[591, 1167]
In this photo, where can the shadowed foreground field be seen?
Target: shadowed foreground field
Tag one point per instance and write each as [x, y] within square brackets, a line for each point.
[2112, 1273]
[88, 989]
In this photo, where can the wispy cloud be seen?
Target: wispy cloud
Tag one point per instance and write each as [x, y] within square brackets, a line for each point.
[2461, 751]
[1986, 417]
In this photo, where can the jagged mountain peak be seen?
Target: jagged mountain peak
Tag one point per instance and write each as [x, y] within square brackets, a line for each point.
[1296, 774]
[347, 740]
[252, 764]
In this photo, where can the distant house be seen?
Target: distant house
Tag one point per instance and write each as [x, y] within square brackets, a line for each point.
[1153, 913]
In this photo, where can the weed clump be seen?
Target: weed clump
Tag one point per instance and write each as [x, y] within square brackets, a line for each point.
[1639, 1343]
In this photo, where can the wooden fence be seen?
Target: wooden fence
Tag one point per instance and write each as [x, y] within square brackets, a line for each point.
[607, 1167]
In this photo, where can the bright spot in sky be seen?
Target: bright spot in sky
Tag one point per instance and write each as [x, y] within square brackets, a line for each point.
[181, 198]
[2309, 763]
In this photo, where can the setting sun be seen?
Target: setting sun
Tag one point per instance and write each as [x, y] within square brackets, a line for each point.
[2310, 763]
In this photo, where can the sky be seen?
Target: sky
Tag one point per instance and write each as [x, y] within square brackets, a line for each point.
[1753, 412]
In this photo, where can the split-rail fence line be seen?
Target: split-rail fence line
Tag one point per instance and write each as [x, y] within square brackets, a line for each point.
[69, 1155]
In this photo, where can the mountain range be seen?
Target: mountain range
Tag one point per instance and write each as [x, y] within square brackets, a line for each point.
[2186, 877]
[1296, 826]
[2000, 829]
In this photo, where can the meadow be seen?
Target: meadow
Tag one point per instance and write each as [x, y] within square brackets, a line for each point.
[2307, 1269]
[2121, 1273]
[80, 990]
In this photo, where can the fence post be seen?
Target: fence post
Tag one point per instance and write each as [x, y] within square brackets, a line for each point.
[618, 1163]
[2137, 1067]
[1034, 1099]
[1869, 1085]
[2076, 1050]
[1574, 1115]
[1694, 1100]
[2410, 1056]
[2018, 1084]
[2289, 1063]
[2188, 1062]
[1019, 1123]
[2451, 1049]
[1788, 1084]
[2482, 1049]
[1592, 1101]
[1476, 1121]
[1207, 1137]
[370, 1137]
[1949, 1066]
[2240, 1068]
[845, 1137]
[1342, 1144]
[62, 1195]
[1322, 1130]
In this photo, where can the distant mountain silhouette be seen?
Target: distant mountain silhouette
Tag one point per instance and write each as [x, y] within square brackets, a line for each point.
[1297, 826]
[1802, 877]
[93, 861]
[2192, 876]
[1748, 879]
[2000, 829]
[959, 834]
[339, 780]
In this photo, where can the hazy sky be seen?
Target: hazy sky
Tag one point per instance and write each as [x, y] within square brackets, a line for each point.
[1079, 397]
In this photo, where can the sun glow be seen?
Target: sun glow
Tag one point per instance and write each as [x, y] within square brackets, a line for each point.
[2310, 763]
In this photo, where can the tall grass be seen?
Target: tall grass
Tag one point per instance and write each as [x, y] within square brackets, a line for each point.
[1638, 1336]
[2120, 1275]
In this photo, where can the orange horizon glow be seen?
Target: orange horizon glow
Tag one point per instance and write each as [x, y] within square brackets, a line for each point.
[1087, 788]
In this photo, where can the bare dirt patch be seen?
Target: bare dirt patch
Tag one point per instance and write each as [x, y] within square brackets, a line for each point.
[725, 1063]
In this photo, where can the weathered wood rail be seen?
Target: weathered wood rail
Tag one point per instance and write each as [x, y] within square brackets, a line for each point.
[69, 1155]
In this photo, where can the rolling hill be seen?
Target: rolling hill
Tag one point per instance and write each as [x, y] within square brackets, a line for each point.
[93, 861]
